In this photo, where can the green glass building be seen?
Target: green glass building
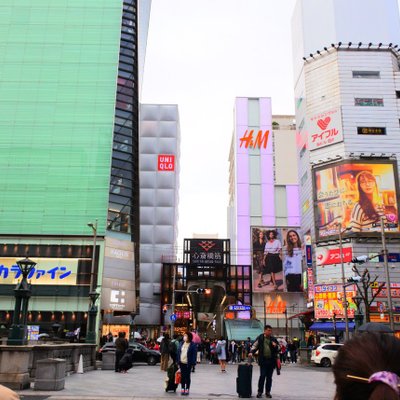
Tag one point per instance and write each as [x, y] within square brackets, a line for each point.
[68, 150]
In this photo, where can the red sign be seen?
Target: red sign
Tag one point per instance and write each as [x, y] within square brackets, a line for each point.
[329, 256]
[310, 278]
[261, 140]
[394, 290]
[166, 162]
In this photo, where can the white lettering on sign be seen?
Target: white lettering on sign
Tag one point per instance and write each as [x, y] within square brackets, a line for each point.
[166, 162]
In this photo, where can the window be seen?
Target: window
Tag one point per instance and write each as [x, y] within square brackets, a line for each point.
[397, 94]
[303, 179]
[368, 102]
[364, 130]
[302, 151]
[367, 74]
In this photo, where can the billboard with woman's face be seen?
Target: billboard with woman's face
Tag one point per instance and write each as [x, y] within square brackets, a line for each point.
[356, 194]
[277, 259]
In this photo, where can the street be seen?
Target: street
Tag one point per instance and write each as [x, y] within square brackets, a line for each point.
[143, 381]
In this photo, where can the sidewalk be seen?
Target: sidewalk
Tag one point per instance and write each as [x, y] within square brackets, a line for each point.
[144, 382]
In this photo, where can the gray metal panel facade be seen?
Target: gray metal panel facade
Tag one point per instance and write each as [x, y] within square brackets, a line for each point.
[159, 134]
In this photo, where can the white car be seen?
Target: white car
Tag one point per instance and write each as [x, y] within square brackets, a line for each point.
[325, 354]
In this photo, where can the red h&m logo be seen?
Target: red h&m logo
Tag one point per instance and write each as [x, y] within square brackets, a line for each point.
[261, 140]
[166, 162]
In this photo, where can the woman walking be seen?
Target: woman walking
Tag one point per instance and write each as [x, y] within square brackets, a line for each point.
[221, 353]
[187, 354]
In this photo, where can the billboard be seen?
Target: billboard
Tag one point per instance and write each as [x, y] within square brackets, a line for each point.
[328, 300]
[277, 259]
[325, 129]
[330, 255]
[356, 194]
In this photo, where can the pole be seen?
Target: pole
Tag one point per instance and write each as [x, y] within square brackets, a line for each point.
[94, 227]
[385, 262]
[173, 300]
[346, 317]
[265, 313]
[287, 327]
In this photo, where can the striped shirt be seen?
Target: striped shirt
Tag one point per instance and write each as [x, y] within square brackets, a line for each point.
[360, 222]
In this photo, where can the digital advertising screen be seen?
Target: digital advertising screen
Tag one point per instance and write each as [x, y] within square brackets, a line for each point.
[277, 259]
[356, 194]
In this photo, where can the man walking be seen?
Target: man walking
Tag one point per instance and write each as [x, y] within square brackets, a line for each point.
[268, 350]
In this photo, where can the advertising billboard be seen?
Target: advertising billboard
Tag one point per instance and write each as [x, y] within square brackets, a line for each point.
[356, 194]
[325, 129]
[330, 255]
[328, 301]
[277, 259]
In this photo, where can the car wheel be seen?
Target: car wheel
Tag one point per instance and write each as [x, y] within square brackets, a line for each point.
[151, 360]
[326, 362]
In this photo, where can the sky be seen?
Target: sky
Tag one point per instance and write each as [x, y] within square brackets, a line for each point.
[201, 55]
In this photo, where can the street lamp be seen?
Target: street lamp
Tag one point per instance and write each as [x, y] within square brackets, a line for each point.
[93, 294]
[19, 332]
[385, 262]
[346, 316]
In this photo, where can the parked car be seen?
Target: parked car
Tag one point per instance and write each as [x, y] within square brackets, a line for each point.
[141, 354]
[325, 354]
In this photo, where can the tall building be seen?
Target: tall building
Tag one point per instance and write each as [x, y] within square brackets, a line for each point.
[347, 113]
[159, 200]
[69, 147]
[264, 193]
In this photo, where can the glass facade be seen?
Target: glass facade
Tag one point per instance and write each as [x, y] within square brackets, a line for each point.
[58, 68]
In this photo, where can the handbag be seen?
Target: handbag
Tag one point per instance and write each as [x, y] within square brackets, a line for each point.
[278, 366]
[178, 377]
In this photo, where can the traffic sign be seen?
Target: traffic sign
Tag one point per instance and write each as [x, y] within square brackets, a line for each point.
[172, 317]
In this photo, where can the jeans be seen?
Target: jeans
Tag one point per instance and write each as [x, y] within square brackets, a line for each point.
[266, 369]
[185, 375]
[118, 356]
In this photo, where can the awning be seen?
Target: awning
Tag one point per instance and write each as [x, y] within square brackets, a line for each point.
[328, 326]
[302, 313]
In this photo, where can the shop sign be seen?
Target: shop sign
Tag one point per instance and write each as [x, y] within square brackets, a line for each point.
[166, 162]
[256, 141]
[331, 255]
[328, 301]
[47, 271]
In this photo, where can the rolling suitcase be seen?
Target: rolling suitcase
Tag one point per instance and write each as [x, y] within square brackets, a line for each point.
[243, 380]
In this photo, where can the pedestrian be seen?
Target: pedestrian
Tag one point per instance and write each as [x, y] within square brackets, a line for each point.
[187, 358]
[8, 394]
[233, 352]
[121, 345]
[126, 361]
[240, 351]
[173, 348]
[221, 353]
[367, 367]
[268, 350]
[165, 351]
[293, 352]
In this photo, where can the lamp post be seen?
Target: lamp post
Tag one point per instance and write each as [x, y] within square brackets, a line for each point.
[19, 332]
[93, 294]
[385, 262]
[346, 317]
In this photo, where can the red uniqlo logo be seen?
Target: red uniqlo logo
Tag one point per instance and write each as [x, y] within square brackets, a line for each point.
[166, 162]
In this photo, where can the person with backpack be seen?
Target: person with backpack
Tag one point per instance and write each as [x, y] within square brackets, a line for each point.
[173, 348]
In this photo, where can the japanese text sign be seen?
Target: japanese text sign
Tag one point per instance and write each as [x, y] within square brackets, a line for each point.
[331, 255]
[325, 129]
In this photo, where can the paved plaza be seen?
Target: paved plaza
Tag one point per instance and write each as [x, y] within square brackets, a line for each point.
[147, 382]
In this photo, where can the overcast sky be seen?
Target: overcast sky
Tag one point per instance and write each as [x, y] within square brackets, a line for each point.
[201, 54]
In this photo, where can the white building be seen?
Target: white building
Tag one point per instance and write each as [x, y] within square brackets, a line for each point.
[159, 199]
[347, 89]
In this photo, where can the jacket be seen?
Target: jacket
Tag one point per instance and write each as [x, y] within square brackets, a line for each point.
[191, 355]
[259, 345]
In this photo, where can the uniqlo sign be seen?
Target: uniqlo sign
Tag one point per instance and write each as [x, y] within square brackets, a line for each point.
[166, 162]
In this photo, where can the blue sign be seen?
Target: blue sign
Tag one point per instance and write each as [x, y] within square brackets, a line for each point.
[309, 255]
[239, 307]
[392, 257]
[172, 317]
